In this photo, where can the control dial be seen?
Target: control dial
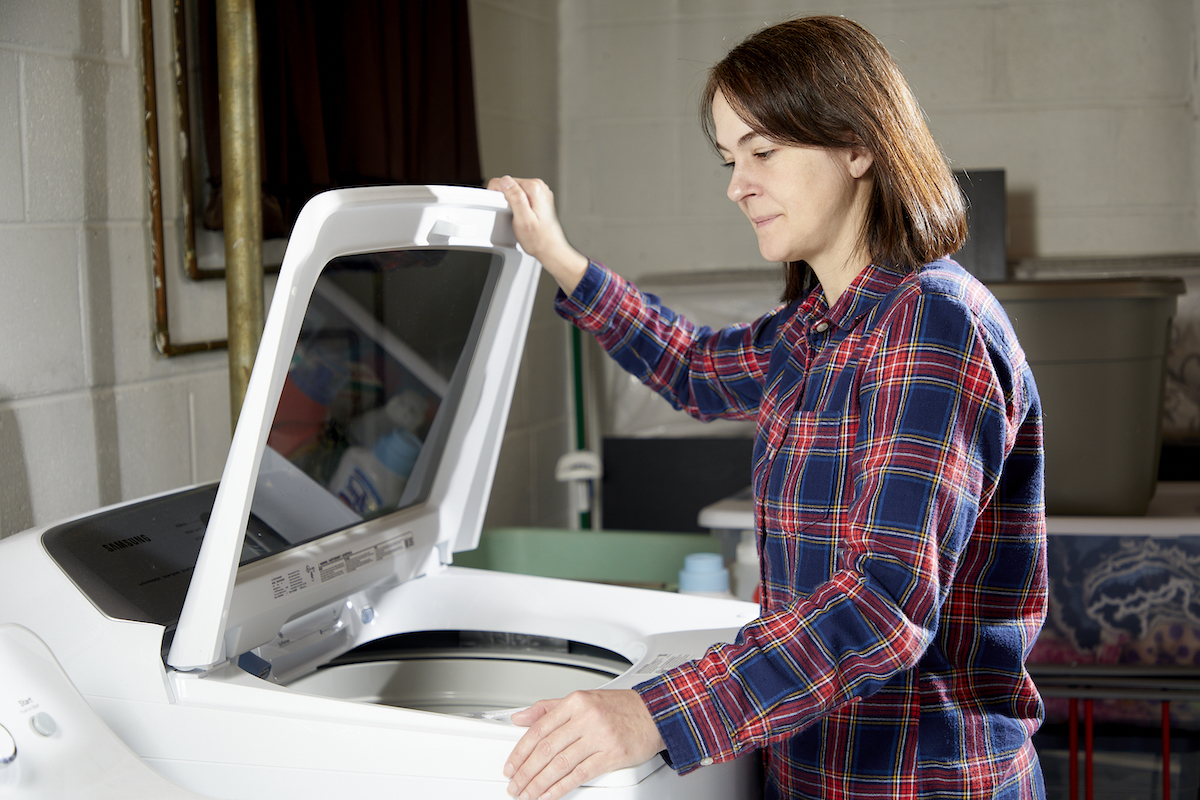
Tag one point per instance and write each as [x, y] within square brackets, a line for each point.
[8, 747]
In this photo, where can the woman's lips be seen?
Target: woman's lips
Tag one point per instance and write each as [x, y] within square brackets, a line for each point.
[760, 222]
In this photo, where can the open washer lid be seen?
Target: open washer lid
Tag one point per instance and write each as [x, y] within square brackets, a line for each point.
[394, 337]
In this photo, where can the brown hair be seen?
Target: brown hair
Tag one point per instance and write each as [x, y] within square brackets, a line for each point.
[826, 81]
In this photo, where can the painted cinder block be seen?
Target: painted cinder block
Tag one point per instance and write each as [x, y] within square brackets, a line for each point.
[52, 455]
[12, 187]
[153, 436]
[40, 325]
[83, 27]
[1106, 52]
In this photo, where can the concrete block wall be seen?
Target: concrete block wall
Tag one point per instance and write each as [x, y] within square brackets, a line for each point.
[89, 414]
[515, 49]
[1090, 106]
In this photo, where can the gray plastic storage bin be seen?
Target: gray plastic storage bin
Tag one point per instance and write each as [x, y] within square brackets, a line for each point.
[1098, 350]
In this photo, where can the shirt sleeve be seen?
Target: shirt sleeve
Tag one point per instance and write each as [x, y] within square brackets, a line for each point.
[932, 430]
[706, 373]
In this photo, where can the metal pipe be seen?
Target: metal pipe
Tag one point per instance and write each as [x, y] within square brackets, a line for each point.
[183, 114]
[162, 334]
[241, 189]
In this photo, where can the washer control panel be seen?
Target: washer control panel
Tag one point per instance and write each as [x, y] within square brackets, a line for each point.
[51, 742]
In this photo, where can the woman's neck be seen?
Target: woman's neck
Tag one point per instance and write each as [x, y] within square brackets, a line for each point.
[836, 278]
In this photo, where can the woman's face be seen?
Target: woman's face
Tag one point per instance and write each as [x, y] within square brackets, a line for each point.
[805, 203]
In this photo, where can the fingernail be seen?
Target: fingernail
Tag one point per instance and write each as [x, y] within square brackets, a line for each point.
[507, 181]
[511, 789]
[508, 770]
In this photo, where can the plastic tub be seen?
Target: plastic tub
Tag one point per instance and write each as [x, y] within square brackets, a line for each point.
[627, 558]
[1098, 351]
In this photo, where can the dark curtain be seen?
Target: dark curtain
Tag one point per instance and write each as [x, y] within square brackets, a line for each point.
[352, 93]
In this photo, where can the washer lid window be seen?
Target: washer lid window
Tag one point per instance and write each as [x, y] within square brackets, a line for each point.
[443, 236]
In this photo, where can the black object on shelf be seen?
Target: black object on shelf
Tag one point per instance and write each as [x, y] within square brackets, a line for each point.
[661, 484]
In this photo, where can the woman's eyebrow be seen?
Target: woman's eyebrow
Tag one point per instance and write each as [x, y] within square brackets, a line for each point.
[746, 137]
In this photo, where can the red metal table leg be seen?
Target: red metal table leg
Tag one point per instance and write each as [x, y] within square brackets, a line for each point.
[1087, 749]
[1166, 747]
[1073, 748]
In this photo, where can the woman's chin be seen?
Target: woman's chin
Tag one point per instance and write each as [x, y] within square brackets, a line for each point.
[776, 255]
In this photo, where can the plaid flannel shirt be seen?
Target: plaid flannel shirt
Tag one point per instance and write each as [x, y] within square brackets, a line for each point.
[898, 500]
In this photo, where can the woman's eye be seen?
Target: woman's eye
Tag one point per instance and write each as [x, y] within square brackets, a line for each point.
[761, 155]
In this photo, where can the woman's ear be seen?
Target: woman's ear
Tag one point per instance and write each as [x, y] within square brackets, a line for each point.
[858, 160]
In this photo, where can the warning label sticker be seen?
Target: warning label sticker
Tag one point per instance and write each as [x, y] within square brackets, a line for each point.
[292, 582]
[663, 662]
[333, 567]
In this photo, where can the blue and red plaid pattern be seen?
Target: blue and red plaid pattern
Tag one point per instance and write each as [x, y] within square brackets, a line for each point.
[898, 498]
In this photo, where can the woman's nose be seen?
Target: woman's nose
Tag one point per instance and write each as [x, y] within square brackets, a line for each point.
[739, 187]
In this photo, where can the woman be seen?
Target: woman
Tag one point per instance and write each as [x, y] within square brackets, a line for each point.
[897, 465]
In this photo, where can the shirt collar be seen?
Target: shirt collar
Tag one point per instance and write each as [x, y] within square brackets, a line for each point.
[864, 293]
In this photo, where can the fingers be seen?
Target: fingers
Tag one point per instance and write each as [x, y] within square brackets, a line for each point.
[536, 225]
[546, 753]
[533, 713]
[574, 740]
[567, 771]
[526, 196]
[533, 718]
[532, 204]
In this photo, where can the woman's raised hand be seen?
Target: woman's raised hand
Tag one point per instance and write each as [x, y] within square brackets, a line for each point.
[536, 226]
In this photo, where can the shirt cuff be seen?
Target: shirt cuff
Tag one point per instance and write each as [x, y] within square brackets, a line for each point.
[683, 724]
[595, 301]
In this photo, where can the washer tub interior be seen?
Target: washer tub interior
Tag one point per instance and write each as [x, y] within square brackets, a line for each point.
[466, 673]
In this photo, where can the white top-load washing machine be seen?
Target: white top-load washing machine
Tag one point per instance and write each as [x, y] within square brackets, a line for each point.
[298, 630]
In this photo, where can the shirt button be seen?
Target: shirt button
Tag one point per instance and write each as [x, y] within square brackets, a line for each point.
[822, 326]
[706, 762]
